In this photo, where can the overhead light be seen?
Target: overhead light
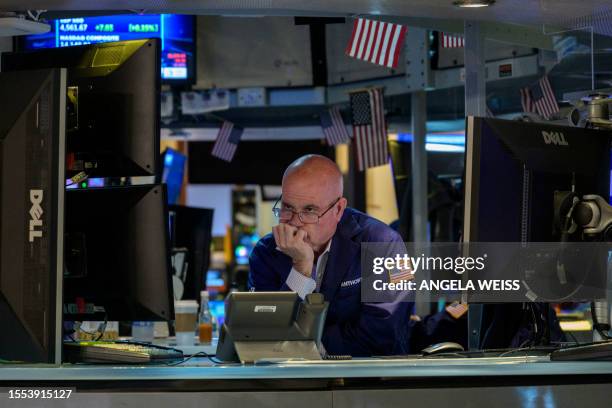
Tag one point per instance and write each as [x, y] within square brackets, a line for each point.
[473, 3]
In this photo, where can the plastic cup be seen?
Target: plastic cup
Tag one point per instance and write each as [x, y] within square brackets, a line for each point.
[185, 312]
[142, 331]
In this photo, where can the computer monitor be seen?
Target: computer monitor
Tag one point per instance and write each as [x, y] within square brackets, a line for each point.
[176, 31]
[512, 170]
[113, 104]
[31, 214]
[191, 228]
[271, 325]
[173, 173]
[117, 263]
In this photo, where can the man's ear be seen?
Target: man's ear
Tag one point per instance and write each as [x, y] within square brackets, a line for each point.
[340, 206]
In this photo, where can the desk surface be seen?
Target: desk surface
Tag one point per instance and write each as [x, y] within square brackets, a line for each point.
[201, 369]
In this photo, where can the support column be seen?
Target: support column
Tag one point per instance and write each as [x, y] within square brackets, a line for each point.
[475, 105]
[419, 186]
[475, 80]
[419, 166]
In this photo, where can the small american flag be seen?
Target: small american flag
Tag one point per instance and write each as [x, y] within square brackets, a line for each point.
[540, 98]
[376, 42]
[227, 141]
[333, 127]
[452, 41]
[404, 273]
[526, 101]
[369, 128]
[456, 309]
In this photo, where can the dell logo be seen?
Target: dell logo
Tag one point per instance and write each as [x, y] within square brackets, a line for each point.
[556, 138]
[36, 211]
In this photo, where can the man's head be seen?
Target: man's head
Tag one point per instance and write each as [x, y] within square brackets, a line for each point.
[313, 183]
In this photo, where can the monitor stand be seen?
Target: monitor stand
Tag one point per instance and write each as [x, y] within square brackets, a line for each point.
[254, 351]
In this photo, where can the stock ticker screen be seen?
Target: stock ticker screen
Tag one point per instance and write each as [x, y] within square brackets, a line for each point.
[175, 31]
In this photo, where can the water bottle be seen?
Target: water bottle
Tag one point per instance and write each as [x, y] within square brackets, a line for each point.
[205, 320]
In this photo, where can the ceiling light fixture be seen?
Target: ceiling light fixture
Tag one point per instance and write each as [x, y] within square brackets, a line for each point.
[473, 3]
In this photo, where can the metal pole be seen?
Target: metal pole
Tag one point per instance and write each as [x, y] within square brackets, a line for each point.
[419, 185]
[475, 105]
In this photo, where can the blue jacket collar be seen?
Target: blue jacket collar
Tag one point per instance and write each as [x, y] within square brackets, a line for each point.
[344, 250]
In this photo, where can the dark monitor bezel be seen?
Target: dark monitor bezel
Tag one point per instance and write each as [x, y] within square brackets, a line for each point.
[47, 247]
[115, 307]
[135, 152]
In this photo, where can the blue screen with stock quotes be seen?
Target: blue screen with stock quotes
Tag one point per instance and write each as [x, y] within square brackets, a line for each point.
[175, 31]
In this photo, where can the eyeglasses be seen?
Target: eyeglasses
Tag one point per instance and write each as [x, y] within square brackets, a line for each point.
[307, 217]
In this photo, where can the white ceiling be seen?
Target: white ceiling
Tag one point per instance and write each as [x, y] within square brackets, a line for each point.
[526, 12]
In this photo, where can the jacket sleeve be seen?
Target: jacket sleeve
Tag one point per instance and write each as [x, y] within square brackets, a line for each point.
[264, 269]
[380, 329]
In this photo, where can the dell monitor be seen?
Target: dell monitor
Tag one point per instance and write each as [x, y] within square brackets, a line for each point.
[173, 173]
[512, 171]
[31, 214]
[117, 258]
[191, 228]
[112, 123]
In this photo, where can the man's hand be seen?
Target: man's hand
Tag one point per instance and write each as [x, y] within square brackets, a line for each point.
[292, 241]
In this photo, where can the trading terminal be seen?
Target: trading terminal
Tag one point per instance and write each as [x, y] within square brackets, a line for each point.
[154, 164]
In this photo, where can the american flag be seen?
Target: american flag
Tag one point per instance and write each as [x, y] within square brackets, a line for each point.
[404, 273]
[376, 42]
[452, 41]
[333, 127]
[369, 128]
[540, 98]
[456, 309]
[227, 141]
[526, 101]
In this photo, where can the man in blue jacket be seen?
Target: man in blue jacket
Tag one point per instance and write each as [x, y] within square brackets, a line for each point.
[316, 248]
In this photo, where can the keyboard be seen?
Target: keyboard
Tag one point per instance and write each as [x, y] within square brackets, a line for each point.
[597, 351]
[119, 352]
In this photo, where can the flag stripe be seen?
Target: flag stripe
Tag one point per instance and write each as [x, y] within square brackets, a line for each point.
[391, 48]
[386, 44]
[358, 38]
[364, 39]
[352, 45]
[373, 29]
[398, 48]
[379, 32]
[376, 146]
[380, 45]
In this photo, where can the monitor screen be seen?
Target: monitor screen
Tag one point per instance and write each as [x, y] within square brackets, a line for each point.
[173, 173]
[175, 31]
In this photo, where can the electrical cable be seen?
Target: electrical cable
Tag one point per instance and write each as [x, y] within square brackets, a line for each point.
[202, 354]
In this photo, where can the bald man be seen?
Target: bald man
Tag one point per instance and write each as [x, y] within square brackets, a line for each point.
[316, 248]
